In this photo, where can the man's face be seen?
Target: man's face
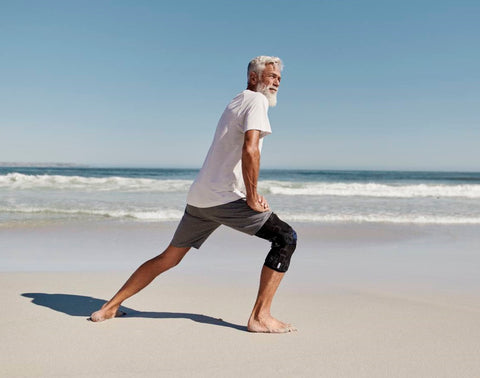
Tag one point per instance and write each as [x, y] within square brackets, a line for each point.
[271, 77]
[269, 83]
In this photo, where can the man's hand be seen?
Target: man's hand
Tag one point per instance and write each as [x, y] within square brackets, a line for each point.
[259, 203]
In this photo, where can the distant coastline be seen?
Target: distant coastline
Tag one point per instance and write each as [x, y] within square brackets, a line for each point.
[263, 171]
[42, 165]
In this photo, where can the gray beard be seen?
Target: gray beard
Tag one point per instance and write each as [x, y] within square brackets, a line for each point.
[271, 97]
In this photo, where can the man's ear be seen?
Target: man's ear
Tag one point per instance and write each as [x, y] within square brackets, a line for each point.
[253, 78]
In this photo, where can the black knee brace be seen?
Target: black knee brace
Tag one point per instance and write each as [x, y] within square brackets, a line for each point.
[284, 242]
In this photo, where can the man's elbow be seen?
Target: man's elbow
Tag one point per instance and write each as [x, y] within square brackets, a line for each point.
[249, 150]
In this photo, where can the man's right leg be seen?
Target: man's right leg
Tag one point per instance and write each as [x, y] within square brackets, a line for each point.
[145, 274]
[261, 320]
[284, 241]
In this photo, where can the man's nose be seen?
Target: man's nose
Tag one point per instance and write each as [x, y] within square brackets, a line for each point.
[276, 82]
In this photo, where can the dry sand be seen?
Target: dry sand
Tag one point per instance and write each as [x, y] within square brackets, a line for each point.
[368, 300]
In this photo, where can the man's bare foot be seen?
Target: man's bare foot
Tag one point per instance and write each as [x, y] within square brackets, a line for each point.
[106, 313]
[269, 325]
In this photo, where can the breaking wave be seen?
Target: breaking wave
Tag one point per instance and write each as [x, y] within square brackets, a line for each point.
[288, 188]
[80, 183]
[369, 189]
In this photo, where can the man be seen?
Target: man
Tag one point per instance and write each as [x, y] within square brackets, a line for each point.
[225, 192]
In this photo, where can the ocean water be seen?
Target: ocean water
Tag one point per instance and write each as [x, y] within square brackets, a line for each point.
[37, 195]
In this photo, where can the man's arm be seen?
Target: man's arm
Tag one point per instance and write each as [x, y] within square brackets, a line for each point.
[250, 170]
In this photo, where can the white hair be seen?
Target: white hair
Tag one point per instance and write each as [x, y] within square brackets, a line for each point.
[258, 64]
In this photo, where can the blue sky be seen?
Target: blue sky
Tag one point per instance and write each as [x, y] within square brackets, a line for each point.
[366, 85]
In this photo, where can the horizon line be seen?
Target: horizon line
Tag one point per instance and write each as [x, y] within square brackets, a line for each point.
[156, 166]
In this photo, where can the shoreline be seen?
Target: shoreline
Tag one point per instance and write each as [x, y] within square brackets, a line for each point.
[427, 257]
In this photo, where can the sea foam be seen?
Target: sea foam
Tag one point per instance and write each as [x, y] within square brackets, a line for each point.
[369, 189]
[144, 195]
[137, 213]
[287, 188]
[57, 182]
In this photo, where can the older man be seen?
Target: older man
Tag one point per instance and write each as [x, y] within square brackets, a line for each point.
[225, 193]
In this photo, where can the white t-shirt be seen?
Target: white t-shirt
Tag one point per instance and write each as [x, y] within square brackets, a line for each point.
[220, 180]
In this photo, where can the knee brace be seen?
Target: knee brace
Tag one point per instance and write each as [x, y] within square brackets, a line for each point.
[284, 242]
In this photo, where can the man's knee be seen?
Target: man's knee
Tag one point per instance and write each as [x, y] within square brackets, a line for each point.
[173, 255]
[284, 243]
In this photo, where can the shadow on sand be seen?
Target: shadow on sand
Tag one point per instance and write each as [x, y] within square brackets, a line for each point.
[80, 305]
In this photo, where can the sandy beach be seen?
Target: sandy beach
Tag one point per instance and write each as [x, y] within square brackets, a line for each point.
[369, 300]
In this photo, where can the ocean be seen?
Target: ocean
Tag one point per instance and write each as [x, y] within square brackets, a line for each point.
[33, 195]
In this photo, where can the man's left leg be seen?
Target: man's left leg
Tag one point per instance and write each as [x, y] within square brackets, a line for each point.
[284, 241]
[145, 274]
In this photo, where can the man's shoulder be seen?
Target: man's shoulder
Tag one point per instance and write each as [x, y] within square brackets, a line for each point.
[248, 98]
[254, 96]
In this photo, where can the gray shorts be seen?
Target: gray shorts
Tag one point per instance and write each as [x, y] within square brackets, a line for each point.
[198, 223]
